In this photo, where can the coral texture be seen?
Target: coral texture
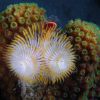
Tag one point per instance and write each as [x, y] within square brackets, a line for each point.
[83, 37]
[16, 17]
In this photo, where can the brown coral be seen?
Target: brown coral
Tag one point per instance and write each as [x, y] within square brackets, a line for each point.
[83, 37]
[18, 16]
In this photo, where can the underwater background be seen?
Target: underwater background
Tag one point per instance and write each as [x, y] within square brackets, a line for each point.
[64, 10]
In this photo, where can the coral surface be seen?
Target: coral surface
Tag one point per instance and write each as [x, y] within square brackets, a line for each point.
[82, 84]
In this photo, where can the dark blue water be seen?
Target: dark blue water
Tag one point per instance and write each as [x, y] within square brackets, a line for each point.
[64, 10]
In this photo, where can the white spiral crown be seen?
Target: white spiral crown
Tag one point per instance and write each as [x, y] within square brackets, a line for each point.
[40, 54]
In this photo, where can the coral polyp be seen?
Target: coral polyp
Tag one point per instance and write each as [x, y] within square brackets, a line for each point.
[83, 37]
[40, 54]
[16, 17]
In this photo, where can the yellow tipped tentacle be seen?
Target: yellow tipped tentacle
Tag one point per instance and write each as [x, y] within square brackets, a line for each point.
[41, 54]
[58, 44]
[24, 57]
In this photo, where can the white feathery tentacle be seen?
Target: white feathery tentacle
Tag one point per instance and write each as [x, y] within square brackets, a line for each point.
[25, 57]
[59, 56]
[41, 55]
